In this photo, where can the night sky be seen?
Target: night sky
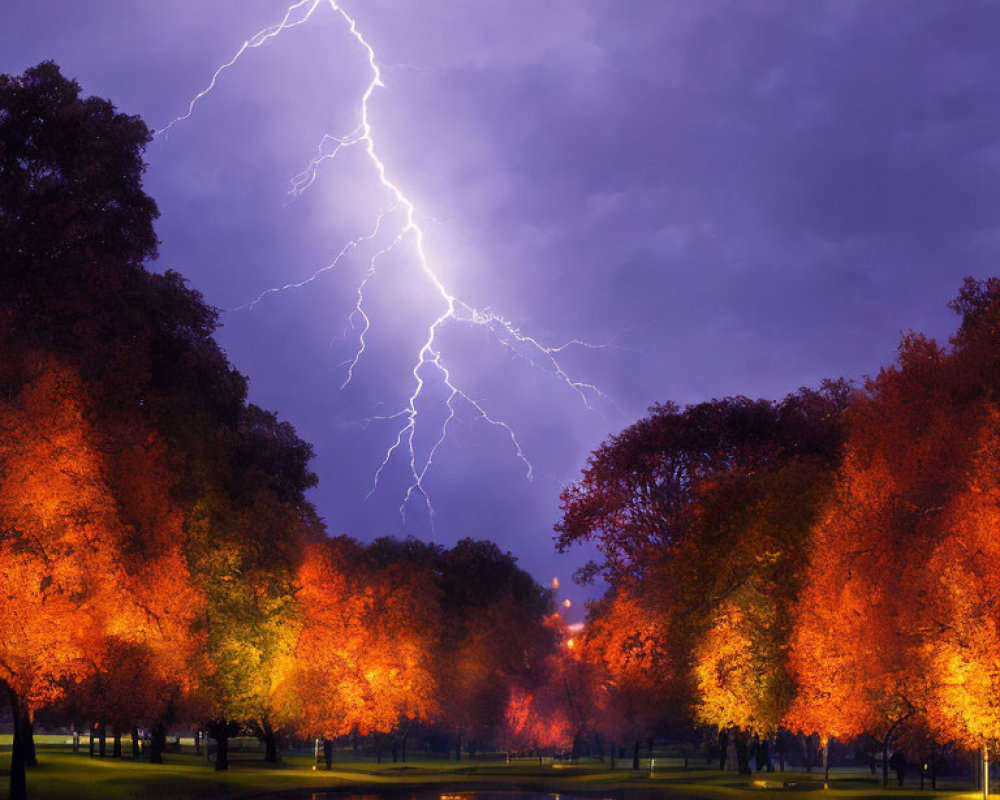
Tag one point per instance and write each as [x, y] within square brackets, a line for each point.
[735, 198]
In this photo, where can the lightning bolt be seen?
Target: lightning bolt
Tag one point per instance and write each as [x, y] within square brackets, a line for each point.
[429, 361]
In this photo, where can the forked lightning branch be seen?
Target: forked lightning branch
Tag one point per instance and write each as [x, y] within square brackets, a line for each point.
[396, 226]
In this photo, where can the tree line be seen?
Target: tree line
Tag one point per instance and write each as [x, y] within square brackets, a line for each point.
[825, 565]
[160, 563]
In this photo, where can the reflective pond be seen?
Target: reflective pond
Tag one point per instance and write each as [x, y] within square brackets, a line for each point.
[438, 794]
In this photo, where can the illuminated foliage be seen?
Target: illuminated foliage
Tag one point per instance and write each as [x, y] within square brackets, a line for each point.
[739, 667]
[864, 624]
[362, 661]
[961, 579]
[638, 683]
[492, 636]
[741, 572]
[853, 648]
[537, 721]
[704, 517]
[60, 535]
[244, 551]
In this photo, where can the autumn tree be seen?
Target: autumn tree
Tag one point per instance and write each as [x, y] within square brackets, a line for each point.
[492, 630]
[551, 708]
[59, 534]
[740, 573]
[640, 680]
[637, 492]
[244, 542]
[208, 490]
[863, 615]
[959, 584]
[537, 721]
[363, 660]
[705, 515]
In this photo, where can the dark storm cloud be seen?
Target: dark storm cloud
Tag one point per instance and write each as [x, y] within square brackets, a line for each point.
[744, 197]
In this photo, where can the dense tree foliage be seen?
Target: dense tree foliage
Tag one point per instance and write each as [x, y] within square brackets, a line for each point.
[161, 563]
[824, 564]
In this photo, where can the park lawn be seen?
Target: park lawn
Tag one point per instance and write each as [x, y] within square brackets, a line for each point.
[66, 776]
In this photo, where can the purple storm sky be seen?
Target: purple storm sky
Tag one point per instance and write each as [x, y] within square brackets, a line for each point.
[741, 197]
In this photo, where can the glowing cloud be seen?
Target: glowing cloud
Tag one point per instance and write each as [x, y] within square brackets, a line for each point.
[397, 225]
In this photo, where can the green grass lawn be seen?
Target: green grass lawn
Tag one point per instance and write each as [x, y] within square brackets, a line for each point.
[63, 775]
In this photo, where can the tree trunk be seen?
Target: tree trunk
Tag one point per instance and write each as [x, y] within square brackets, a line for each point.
[328, 754]
[270, 743]
[612, 748]
[28, 739]
[116, 746]
[635, 755]
[885, 760]
[764, 755]
[136, 743]
[158, 742]
[742, 742]
[102, 740]
[458, 749]
[986, 772]
[18, 776]
[90, 739]
[723, 747]
[826, 762]
[395, 750]
[810, 748]
[221, 736]
[402, 743]
[933, 766]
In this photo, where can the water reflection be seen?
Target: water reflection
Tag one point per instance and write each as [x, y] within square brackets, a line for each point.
[429, 794]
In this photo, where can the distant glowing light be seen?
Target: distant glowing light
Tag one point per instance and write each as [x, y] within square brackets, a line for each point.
[555, 583]
[567, 603]
[571, 643]
[402, 226]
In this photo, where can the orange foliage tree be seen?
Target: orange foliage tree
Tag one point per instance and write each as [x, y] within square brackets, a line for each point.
[705, 515]
[863, 616]
[639, 681]
[362, 660]
[552, 708]
[60, 537]
[960, 583]
[741, 571]
[961, 653]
